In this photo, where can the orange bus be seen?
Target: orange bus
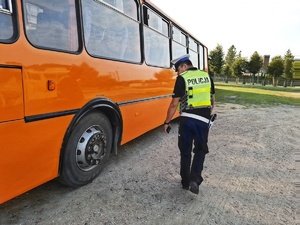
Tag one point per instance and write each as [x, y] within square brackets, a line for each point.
[78, 78]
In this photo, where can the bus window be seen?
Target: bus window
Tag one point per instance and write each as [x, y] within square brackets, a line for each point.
[8, 30]
[202, 56]
[156, 39]
[205, 59]
[179, 43]
[130, 9]
[6, 6]
[179, 36]
[51, 25]
[127, 7]
[109, 33]
[193, 51]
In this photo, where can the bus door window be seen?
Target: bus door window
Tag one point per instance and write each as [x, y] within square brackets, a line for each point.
[51, 25]
[110, 32]
[156, 39]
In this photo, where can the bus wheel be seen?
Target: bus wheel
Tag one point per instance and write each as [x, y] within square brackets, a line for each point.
[87, 150]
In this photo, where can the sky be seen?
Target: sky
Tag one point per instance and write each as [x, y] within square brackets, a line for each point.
[270, 27]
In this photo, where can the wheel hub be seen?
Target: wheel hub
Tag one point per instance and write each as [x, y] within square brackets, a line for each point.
[91, 148]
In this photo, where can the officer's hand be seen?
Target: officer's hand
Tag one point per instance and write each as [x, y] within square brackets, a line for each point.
[167, 128]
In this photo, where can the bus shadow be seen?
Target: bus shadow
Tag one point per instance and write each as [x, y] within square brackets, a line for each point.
[47, 195]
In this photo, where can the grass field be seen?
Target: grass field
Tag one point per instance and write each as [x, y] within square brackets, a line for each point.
[257, 95]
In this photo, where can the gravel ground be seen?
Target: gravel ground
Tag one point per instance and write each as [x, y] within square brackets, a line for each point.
[250, 177]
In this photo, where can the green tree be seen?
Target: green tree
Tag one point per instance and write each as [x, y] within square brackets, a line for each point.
[296, 69]
[239, 66]
[226, 70]
[288, 65]
[276, 68]
[216, 62]
[255, 64]
[229, 59]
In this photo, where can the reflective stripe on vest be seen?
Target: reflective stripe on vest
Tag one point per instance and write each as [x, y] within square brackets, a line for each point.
[198, 85]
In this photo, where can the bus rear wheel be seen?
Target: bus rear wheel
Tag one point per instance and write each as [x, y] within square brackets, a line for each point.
[87, 150]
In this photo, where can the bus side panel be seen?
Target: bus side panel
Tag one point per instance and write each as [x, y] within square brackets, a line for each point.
[30, 154]
[143, 116]
[11, 94]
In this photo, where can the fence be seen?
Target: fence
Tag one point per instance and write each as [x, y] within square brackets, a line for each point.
[260, 80]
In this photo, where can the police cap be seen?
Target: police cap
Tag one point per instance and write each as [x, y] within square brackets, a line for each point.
[179, 60]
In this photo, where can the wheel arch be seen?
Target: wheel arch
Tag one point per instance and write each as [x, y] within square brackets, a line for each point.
[109, 109]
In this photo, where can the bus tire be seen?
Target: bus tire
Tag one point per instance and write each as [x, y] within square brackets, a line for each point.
[87, 150]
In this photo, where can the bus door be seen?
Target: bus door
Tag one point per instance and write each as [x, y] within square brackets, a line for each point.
[11, 94]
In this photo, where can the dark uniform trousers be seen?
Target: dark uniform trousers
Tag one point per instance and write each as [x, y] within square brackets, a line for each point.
[193, 136]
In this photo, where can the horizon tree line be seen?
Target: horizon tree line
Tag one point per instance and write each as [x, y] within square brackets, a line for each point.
[257, 67]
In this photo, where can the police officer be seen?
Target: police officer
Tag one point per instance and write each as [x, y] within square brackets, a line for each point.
[194, 96]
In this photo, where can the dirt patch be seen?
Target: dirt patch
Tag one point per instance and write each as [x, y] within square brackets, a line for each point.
[249, 178]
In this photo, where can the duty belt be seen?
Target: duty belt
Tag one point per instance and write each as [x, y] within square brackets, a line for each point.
[194, 116]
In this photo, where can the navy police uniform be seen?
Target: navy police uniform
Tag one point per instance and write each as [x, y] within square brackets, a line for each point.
[193, 130]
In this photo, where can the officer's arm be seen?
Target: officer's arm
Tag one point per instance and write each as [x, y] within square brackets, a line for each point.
[212, 102]
[172, 109]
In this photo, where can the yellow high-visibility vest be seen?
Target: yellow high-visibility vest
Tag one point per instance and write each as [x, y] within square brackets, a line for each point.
[198, 87]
